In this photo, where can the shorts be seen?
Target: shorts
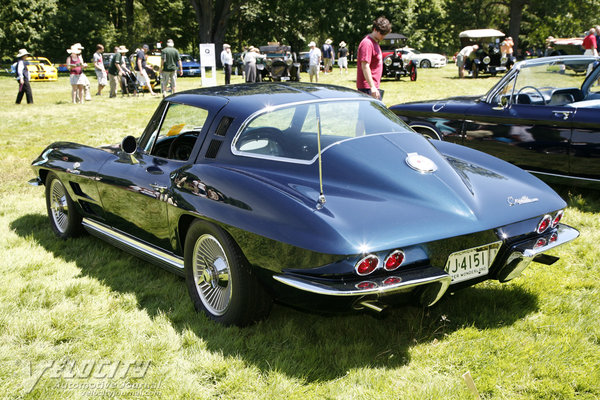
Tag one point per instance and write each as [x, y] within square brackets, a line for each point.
[460, 60]
[101, 75]
[343, 62]
[77, 79]
[142, 78]
[313, 70]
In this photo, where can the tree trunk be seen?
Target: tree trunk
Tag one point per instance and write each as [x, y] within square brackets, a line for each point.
[516, 14]
[212, 18]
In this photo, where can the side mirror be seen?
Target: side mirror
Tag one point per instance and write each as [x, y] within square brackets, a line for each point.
[129, 144]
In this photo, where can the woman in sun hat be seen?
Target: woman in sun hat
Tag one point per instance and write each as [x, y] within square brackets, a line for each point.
[23, 77]
[78, 80]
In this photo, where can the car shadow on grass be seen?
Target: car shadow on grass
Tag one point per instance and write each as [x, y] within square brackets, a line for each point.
[306, 346]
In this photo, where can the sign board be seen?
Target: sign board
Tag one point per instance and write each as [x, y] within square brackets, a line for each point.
[208, 60]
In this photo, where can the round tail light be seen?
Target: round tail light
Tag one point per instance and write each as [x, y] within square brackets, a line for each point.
[540, 243]
[394, 260]
[544, 224]
[554, 237]
[366, 285]
[557, 218]
[367, 265]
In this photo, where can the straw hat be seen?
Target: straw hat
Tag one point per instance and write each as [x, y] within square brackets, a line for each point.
[328, 41]
[122, 49]
[342, 44]
[22, 53]
[226, 46]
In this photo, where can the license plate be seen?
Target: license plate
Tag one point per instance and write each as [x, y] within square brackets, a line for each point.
[396, 64]
[285, 78]
[471, 263]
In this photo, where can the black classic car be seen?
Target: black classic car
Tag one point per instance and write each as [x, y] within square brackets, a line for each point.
[488, 58]
[395, 66]
[312, 195]
[279, 65]
[543, 116]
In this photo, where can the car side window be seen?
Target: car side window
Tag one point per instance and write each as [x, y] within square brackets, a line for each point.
[178, 132]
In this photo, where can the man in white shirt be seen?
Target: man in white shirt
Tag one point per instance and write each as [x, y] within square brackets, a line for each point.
[314, 62]
[462, 57]
[227, 61]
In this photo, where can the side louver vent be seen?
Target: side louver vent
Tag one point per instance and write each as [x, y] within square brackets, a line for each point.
[213, 148]
[223, 126]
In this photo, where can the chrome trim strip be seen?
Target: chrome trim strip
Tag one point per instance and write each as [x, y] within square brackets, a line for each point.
[562, 176]
[432, 275]
[171, 260]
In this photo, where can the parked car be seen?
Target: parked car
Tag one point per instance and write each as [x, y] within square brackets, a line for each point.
[280, 64]
[543, 116]
[488, 58]
[395, 66]
[564, 46]
[313, 195]
[40, 69]
[423, 60]
[191, 66]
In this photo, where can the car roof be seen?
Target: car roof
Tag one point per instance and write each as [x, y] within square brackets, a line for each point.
[480, 33]
[248, 98]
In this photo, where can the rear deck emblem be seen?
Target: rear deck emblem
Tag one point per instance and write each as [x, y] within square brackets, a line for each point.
[420, 163]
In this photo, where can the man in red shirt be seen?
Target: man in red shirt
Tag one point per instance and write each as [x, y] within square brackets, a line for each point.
[589, 43]
[369, 59]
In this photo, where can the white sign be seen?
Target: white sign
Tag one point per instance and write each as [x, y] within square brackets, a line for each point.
[208, 60]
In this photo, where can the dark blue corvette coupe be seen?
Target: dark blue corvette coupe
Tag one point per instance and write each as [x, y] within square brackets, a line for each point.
[543, 116]
[311, 195]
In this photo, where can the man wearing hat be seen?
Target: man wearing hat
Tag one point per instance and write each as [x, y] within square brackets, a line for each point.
[314, 61]
[140, 68]
[328, 56]
[115, 69]
[227, 61]
[23, 77]
[343, 57]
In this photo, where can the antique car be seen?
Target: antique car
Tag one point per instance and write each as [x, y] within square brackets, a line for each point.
[280, 64]
[40, 69]
[395, 66]
[488, 58]
[564, 46]
[423, 60]
[312, 195]
[190, 66]
[543, 116]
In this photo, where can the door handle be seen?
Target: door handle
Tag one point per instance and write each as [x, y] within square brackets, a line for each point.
[565, 114]
[158, 188]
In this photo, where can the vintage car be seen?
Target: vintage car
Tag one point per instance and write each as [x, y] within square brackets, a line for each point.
[543, 116]
[564, 46]
[190, 66]
[40, 69]
[423, 60]
[395, 66]
[280, 64]
[312, 195]
[488, 58]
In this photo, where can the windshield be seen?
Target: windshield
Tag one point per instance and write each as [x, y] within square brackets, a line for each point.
[291, 132]
[539, 83]
[186, 58]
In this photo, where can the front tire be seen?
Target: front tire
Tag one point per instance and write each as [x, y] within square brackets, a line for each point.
[425, 64]
[65, 220]
[413, 72]
[219, 279]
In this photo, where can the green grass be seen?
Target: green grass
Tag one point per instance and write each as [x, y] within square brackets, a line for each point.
[82, 300]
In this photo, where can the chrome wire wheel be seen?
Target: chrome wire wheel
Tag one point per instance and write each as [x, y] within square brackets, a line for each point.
[59, 208]
[211, 274]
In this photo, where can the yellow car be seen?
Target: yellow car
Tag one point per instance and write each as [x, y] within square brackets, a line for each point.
[41, 69]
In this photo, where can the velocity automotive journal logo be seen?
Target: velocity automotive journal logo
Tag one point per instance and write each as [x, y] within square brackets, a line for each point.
[93, 377]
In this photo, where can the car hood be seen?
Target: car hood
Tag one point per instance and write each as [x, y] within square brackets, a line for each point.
[374, 197]
[449, 105]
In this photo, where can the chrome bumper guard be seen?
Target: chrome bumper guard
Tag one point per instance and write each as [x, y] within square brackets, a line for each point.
[35, 181]
[522, 254]
[434, 280]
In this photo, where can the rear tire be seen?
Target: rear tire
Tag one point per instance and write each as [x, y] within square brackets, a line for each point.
[425, 64]
[219, 280]
[65, 220]
[413, 72]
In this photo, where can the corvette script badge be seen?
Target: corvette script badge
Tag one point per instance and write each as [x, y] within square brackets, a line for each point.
[521, 200]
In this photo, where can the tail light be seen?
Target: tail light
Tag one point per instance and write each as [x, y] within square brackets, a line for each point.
[394, 260]
[554, 237]
[557, 218]
[366, 285]
[540, 243]
[366, 265]
[544, 224]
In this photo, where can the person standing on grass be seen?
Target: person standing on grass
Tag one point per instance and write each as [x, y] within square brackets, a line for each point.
[170, 62]
[99, 69]
[114, 69]
[343, 57]
[227, 61]
[140, 68]
[23, 78]
[314, 61]
[76, 65]
[370, 60]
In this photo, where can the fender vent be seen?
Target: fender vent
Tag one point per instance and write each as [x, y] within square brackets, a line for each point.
[213, 148]
[223, 126]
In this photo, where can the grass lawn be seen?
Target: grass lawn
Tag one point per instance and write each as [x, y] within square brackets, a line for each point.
[80, 319]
